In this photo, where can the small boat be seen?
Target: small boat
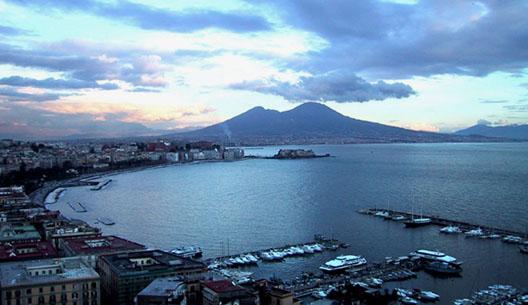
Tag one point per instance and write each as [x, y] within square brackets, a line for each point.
[490, 236]
[399, 218]
[297, 250]
[374, 282]
[344, 245]
[319, 294]
[443, 268]
[188, 251]
[474, 233]
[383, 214]
[408, 301]
[450, 230]
[426, 296]
[317, 248]
[333, 247]
[267, 256]
[252, 258]
[417, 222]
[403, 292]
[512, 239]
[308, 249]
[523, 248]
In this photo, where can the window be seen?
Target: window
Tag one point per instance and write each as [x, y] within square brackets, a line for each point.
[52, 288]
[28, 291]
[94, 285]
[63, 287]
[8, 295]
[40, 289]
[29, 300]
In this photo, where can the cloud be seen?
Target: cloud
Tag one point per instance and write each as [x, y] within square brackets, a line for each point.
[10, 31]
[339, 86]
[86, 70]
[380, 39]
[516, 108]
[493, 101]
[10, 95]
[483, 122]
[151, 18]
[53, 83]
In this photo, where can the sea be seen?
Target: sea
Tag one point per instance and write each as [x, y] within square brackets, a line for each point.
[234, 207]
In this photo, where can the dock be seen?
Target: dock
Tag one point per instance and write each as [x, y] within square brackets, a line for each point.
[443, 222]
[78, 207]
[329, 244]
[101, 184]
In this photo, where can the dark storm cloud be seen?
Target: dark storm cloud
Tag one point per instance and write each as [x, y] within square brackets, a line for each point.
[152, 18]
[388, 40]
[339, 86]
[53, 83]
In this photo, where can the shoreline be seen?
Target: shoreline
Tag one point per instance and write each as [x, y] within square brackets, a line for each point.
[39, 195]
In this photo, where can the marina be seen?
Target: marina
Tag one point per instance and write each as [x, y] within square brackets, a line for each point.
[450, 226]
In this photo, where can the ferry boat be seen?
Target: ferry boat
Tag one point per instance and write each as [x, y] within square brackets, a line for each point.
[434, 256]
[342, 263]
[188, 251]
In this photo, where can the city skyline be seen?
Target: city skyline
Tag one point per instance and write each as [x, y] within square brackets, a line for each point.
[68, 67]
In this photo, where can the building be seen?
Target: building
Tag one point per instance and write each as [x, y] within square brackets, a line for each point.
[226, 293]
[124, 275]
[163, 291]
[26, 251]
[18, 232]
[90, 248]
[13, 197]
[65, 281]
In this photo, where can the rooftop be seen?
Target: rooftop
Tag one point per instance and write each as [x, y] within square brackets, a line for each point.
[24, 251]
[149, 260]
[163, 287]
[45, 271]
[222, 286]
[100, 245]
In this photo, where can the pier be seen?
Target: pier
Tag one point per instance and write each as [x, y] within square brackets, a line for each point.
[440, 221]
[77, 207]
[101, 184]
[329, 244]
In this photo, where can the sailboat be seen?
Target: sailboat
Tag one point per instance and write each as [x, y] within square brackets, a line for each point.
[417, 222]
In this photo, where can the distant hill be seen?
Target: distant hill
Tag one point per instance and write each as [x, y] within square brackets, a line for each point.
[510, 131]
[311, 123]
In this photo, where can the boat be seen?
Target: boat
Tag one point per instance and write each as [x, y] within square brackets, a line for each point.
[474, 233]
[512, 239]
[408, 301]
[308, 249]
[267, 256]
[443, 268]
[374, 282]
[399, 218]
[297, 250]
[106, 221]
[417, 222]
[317, 248]
[383, 214]
[425, 295]
[524, 248]
[434, 256]
[342, 263]
[450, 230]
[188, 251]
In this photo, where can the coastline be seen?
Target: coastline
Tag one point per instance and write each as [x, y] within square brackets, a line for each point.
[39, 195]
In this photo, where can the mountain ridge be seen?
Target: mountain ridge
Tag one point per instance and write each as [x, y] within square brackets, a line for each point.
[515, 131]
[311, 123]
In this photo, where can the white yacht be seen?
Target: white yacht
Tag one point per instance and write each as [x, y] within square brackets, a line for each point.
[450, 230]
[474, 233]
[434, 256]
[341, 263]
[308, 249]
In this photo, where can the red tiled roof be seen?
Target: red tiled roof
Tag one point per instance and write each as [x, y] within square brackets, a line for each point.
[108, 244]
[35, 250]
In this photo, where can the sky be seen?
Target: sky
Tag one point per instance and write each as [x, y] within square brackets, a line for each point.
[127, 67]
